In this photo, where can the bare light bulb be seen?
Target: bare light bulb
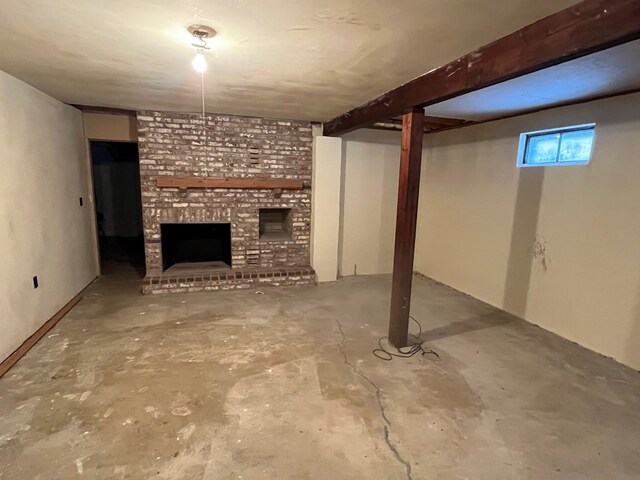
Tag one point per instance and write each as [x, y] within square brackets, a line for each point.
[199, 63]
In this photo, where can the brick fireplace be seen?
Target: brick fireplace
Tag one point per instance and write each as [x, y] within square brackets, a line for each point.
[186, 229]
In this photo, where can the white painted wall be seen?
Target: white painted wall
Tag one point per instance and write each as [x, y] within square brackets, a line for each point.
[325, 211]
[481, 219]
[371, 159]
[44, 230]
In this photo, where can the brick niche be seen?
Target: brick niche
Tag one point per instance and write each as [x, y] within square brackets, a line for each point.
[224, 146]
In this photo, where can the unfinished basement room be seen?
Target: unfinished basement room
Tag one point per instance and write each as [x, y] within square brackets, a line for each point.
[294, 240]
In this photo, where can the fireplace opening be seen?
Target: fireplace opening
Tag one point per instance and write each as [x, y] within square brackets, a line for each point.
[275, 224]
[195, 246]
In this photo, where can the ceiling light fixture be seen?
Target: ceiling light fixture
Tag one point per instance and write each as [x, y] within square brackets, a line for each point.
[200, 33]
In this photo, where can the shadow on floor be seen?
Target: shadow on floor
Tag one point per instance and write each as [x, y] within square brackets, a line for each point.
[118, 254]
[475, 323]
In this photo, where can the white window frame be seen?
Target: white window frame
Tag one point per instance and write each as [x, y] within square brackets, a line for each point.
[524, 138]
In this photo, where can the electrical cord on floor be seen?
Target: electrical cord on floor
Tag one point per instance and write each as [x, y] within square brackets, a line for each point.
[385, 353]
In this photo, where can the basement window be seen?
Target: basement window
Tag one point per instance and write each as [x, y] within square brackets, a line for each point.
[275, 224]
[559, 146]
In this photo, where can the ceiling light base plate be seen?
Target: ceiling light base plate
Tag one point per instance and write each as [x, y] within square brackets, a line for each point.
[202, 32]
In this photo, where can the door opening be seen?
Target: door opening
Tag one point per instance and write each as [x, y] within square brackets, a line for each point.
[116, 184]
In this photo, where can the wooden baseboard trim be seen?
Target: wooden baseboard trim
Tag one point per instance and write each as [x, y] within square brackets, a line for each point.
[28, 344]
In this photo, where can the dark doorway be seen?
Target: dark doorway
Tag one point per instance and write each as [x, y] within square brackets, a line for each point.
[116, 184]
[196, 245]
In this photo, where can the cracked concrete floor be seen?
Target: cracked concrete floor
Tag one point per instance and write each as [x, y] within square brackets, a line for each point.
[283, 386]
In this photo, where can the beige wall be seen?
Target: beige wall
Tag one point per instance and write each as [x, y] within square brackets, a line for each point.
[103, 126]
[559, 246]
[45, 231]
[325, 207]
[370, 161]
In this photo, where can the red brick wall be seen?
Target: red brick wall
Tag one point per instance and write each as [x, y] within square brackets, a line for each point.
[238, 147]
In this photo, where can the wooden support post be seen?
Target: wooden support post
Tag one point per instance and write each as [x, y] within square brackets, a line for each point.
[408, 190]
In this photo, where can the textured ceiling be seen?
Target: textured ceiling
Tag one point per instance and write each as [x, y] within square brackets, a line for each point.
[276, 58]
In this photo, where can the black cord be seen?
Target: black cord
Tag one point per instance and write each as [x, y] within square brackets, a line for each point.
[403, 352]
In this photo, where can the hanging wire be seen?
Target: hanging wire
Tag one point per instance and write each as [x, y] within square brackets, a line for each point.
[202, 88]
[204, 126]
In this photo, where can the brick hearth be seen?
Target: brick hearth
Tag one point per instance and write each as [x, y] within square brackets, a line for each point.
[232, 279]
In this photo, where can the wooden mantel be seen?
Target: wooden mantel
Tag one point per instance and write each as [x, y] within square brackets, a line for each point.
[165, 181]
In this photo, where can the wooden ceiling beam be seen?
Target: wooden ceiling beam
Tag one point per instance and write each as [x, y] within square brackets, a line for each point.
[390, 125]
[584, 28]
[431, 124]
[441, 121]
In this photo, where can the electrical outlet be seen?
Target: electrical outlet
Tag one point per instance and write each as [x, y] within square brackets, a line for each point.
[35, 282]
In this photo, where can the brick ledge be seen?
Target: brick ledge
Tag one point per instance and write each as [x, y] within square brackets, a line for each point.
[225, 280]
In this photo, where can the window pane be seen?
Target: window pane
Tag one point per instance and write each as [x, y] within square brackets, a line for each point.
[542, 148]
[576, 146]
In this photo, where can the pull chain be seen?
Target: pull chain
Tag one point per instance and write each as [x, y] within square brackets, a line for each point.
[202, 88]
[204, 124]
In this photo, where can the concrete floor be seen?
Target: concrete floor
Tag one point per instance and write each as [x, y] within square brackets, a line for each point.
[283, 386]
